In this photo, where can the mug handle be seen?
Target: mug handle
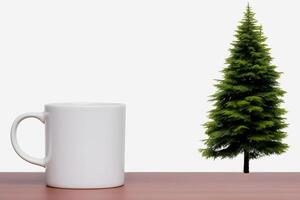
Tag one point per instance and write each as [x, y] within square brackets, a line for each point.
[13, 136]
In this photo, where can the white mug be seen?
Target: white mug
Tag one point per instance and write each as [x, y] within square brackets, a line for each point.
[84, 144]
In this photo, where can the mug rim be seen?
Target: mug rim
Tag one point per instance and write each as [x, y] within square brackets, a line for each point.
[84, 104]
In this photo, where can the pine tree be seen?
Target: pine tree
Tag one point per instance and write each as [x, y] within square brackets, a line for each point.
[247, 117]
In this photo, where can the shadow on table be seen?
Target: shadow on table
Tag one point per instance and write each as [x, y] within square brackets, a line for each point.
[32, 186]
[20, 178]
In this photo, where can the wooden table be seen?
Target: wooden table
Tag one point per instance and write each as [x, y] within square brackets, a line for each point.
[162, 186]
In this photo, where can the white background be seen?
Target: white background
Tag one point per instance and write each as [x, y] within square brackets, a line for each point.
[160, 57]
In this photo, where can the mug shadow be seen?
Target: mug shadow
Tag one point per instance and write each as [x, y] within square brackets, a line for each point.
[33, 184]
[21, 178]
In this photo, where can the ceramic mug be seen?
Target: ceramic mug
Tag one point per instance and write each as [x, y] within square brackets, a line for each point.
[84, 144]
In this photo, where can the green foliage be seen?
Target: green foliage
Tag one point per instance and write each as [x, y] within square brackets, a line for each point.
[247, 116]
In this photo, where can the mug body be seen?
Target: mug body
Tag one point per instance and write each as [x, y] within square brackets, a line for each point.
[85, 145]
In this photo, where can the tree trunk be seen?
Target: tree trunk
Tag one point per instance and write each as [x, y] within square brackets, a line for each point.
[246, 161]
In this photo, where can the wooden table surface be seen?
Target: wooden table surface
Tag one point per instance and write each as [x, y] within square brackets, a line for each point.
[162, 186]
